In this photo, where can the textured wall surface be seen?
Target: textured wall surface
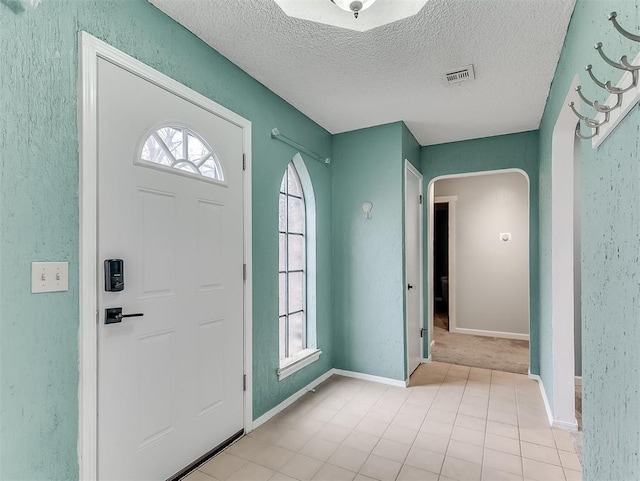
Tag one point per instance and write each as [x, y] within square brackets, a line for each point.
[495, 153]
[39, 212]
[492, 276]
[610, 220]
[368, 263]
[410, 148]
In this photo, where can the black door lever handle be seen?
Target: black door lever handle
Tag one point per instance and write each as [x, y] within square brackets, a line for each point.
[115, 315]
[409, 286]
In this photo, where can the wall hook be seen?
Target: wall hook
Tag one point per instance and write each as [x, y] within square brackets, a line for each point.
[610, 88]
[613, 18]
[596, 105]
[596, 131]
[581, 95]
[630, 67]
[600, 84]
[590, 122]
[619, 66]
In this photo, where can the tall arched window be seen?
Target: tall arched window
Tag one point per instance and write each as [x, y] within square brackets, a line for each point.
[297, 270]
[293, 339]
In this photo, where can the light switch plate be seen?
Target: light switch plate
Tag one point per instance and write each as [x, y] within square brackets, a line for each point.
[49, 277]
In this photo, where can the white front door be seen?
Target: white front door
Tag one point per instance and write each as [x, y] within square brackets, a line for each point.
[413, 265]
[170, 383]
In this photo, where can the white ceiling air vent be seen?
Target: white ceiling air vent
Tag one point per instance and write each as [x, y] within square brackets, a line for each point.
[461, 74]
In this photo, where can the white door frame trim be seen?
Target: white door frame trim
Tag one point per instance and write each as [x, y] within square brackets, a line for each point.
[431, 199]
[450, 200]
[408, 167]
[89, 50]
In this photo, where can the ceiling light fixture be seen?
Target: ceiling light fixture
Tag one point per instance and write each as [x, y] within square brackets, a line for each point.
[355, 6]
[332, 12]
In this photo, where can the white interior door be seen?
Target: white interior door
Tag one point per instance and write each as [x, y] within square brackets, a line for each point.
[170, 383]
[413, 265]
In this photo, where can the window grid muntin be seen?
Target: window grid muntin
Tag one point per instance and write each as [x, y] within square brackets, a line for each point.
[178, 157]
[291, 171]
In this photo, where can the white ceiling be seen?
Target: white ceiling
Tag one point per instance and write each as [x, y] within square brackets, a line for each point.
[347, 80]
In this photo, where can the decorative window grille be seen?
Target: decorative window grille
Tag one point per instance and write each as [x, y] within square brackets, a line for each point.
[292, 265]
[184, 150]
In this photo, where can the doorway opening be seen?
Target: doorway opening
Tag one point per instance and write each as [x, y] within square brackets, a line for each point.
[441, 264]
[479, 270]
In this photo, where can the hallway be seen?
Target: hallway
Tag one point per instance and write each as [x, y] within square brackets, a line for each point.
[453, 423]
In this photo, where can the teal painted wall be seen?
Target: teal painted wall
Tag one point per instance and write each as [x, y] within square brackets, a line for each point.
[410, 148]
[367, 254]
[610, 232]
[39, 212]
[495, 153]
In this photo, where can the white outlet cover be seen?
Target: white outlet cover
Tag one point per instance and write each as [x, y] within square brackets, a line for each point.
[49, 277]
[505, 236]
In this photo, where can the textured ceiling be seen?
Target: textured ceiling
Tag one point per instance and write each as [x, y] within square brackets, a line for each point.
[346, 80]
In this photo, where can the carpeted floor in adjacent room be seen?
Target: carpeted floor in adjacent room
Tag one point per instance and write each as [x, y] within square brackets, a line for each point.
[491, 353]
[494, 353]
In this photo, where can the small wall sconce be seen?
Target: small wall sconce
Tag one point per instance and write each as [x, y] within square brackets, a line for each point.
[366, 208]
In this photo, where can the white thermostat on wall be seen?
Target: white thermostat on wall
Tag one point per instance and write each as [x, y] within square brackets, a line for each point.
[505, 236]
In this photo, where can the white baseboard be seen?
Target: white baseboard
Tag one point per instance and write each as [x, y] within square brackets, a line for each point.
[426, 360]
[503, 335]
[547, 406]
[291, 399]
[565, 426]
[554, 423]
[370, 377]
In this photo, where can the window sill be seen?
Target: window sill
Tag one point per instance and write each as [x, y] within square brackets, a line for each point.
[294, 364]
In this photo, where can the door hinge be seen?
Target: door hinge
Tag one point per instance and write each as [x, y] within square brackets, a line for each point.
[244, 272]
[422, 331]
[420, 201]
[244, 161]
[244, 382]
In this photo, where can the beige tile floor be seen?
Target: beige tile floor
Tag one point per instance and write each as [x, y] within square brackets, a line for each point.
[453, 423]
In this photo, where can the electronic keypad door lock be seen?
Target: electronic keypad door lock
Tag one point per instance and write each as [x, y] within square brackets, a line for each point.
[114, 315]
[113, 275]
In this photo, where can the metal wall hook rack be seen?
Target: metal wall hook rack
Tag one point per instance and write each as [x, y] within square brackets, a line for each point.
[616, 101]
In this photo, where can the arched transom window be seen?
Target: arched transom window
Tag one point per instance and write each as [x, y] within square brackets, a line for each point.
[184, 150]
[292, 270]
